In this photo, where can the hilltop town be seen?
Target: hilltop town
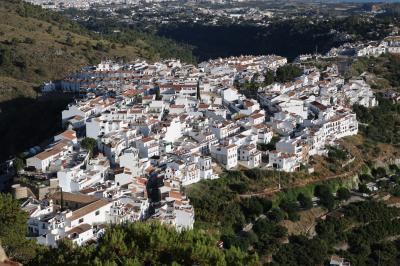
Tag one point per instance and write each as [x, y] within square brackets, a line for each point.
[138, 133]
[199, 132]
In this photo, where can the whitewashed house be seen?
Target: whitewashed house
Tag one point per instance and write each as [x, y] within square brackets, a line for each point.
[226, 155]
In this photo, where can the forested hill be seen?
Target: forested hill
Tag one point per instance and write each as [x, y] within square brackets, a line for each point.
[285, 37]
[38, 45]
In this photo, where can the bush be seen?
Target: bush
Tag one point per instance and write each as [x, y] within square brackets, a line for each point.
[321, 190]
[366, 178]
[305, 202]
[301, 251]
[343, 193]
[378, 172]
[255, 173]
[252, 207]
[269, 146]
[266, 227]
[336, 154]
[240, 187]
[289, 207]
[394, 168]
[288, 73]
[362, 188]
[277, 215]
[29, 40]
[293, 216]
[266, 203]
[325, 195]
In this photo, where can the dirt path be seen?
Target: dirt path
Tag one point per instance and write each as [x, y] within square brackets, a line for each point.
[301, 183]
[355, 168]
[350, 170]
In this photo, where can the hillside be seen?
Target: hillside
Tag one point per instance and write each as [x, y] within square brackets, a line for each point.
[38, 45]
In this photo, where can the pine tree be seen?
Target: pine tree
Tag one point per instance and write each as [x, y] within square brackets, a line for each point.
[13, 228]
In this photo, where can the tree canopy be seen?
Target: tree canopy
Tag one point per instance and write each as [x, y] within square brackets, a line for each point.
[287, 73]
[13, 229]
[146, 244]
[89, 144]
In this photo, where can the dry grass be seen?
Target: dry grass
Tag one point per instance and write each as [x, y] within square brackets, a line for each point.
[306, 224]
[11, 88]
[46, 54]
[382, 153]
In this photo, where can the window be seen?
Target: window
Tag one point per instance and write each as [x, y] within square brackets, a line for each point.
[97, 213]
[80, 220]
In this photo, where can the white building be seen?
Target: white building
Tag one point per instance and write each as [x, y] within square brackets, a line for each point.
[205, 165]
[173, 131]
[148, 147]
[357, 91]
[229, 95]
[49, 226]
[283, 161]
[374, 51]
[133, 166]
[295, 146]
[249, 156]
[127, 209]
[224, 129]
[226, 155]
[263, 132]
[75, 179]
[69, 135]
[42, 161]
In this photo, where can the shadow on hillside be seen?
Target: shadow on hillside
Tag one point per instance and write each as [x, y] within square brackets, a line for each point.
[26, 122]
[284, 39]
